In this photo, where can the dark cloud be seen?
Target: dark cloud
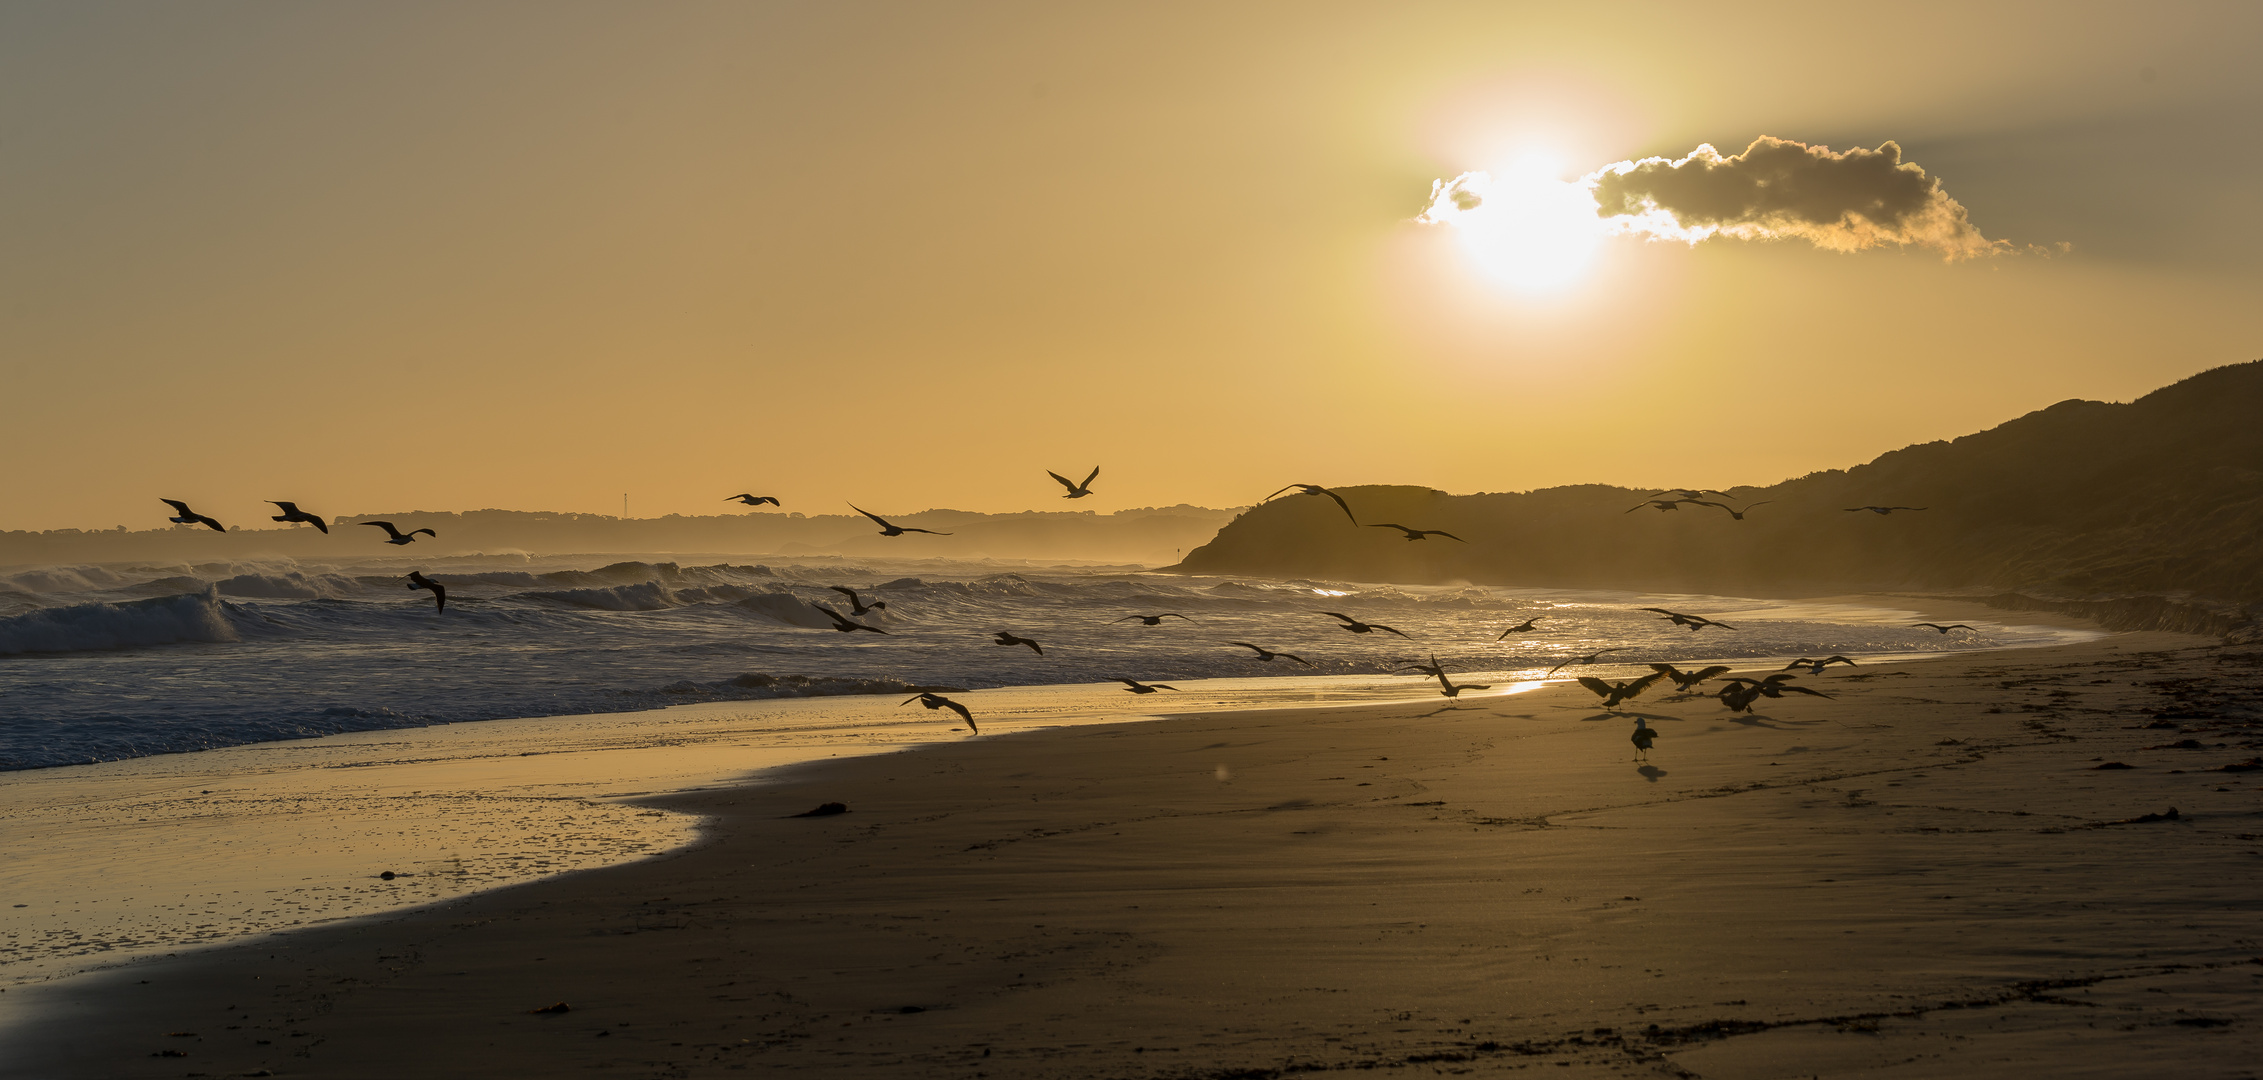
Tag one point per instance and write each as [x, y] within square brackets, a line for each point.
[1844, 201]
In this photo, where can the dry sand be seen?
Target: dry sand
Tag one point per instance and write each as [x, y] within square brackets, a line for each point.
[1927, 876]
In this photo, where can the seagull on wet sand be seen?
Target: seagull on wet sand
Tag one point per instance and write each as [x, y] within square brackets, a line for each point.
[1880, 509]
[1614, 692]
[755, 500]
[889, 529]
[1315, 489]
[396, 536]
[1694, 622]
[1356, 626]
[1267, 655]
[1418, 534]
[417, 580]
[1944, 629]
[1685, 680]
[1007, 638]
[1642, 738]
[292, 513]
[182, 515]
[1134, 686]
[1076, 490]
[1815, 667]
[1520, 628]
[1588, 659]
[843, 624]
[1152, 620]
[857, 606]
[938, 701]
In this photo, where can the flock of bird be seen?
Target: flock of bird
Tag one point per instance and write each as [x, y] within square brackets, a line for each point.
[1737, 694]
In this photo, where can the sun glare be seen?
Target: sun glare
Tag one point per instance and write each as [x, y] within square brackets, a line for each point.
[1524, 227]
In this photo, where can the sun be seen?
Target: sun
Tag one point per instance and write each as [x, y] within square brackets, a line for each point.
[1524, 227]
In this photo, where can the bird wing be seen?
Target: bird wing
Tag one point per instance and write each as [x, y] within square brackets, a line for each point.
[1961, 626]
[1802, 690]
[1347, 507]
[909, 700]
[741, 497]
[288, 508]
[1668, 669]
[1337, 615]
[1278, 493]
[881, 521]
[1160, 686]
[1261, 650]
[1905, 508]
[1401, 528]
[929, 532]
[1089, 479]
[959, 709]
[385, 525]
[1840, 660]
[1662, 611]
[1380, 626]
[1296, 658]
[1562, 666]
[427, 532]
[830, 613]
[1128, 682]
[1643, 683]
[1709, 622]
[845, 591]
[1444, 533]
[1601, 688]
[178, 506]
[1173, 615]
[1717, 669]
[210, 524]
[1128, 618]
[1065, 482]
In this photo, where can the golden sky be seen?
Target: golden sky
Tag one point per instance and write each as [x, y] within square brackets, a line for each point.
[455, 255]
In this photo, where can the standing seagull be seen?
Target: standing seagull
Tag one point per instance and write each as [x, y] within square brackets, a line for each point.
[1881, 509]
[1134, 686]
[888, 529]
[1588, 659]
[844, 625]
[1267, 655]
[1315, 489]
[755, 500]
[182, 515]
[1152, 620]
[938, 701]
[396, 536]
[1007, 638]
[1356, 626]
[417, 580]
[291, 512]
[1419, 534]
[1076, 491]
[856, 605]
[1524, 627]
[1945, 629]
[1641, 739]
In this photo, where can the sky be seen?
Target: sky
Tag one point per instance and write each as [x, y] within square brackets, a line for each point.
[460, 255]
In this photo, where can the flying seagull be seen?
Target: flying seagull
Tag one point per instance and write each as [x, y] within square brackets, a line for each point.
[1007, 638]
[1881, 509]
[1588, 659]
[1815, 667]
[1642, 738]
[844, 625]
[417, 580]
[1734, 512]
[1614, 692]
[857, 606]
[755, 500]
[1945, 629]
[1663, 504]
[1419, 534]
[1152, 620]
[938, 701]
[1454, 691]
[182, 515]
[1694, 622]
[889, 529]
[1315, 489]
[1433, 669]
[1520, 628]
[1774, 686]
[396, 536]
[1076, 490]
[291, 512]
[1356, 626]
[1684, 495]
[1133, 686]
[1267, 655]
[1685, 680]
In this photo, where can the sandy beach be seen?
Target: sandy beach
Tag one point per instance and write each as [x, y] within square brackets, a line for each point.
[1928, 875]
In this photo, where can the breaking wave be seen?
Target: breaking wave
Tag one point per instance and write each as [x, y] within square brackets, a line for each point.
[164, 620]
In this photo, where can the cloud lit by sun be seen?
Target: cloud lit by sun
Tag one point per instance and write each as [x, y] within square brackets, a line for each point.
[1525, 227]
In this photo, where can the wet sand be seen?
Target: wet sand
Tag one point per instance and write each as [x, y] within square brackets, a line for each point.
[1927, 876]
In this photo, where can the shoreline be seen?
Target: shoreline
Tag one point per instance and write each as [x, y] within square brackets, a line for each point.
[1094, 882]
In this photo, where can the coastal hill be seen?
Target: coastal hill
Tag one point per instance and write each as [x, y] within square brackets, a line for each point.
[1148, 535]
[2162, 495]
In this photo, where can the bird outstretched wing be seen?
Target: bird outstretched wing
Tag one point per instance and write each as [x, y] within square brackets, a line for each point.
[1601, 688]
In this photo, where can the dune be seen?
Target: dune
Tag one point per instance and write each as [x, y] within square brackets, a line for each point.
[1928, 874]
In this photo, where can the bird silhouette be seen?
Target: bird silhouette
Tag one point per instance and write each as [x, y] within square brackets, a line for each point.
[1419, 534]
[1152, 620]
[1520, 628]
[1614, 692]
[1315, 489]
[1734, 512]
[291, 512]
[1133, 686]
[1358, 627]
[1588, 659]
[755, 500]
[1454, 690]
[1005, 638]
[1815, 667]
[182, 515]
[857, 606]
[1663, 504]
[1685, 494]
[889, 529]
[1881, 509]
[1945, 629]
[938, 701]
[1694, 622]
[1685, 680]
[843, 624]
[1076, 490]
[417, 580]
[1642, 738]
[1432, 669]
[1739, 694]
[1267, 655]
[396, 536]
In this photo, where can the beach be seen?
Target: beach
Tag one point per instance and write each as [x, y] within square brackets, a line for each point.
[1927, 875]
